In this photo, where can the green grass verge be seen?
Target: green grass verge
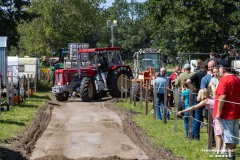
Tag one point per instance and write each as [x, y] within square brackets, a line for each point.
[163, 135]
[14, 121]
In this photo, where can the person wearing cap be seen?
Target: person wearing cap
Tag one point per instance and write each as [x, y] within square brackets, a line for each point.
[180, 79]
[184, 75]
[227, 107]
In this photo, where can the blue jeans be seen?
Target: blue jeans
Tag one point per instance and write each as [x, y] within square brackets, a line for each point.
[159, 105]
[185, 121]
[196, 124]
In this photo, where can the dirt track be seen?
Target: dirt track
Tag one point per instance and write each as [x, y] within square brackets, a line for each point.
[78, 130]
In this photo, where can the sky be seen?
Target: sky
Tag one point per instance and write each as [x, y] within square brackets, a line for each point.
[109, 2]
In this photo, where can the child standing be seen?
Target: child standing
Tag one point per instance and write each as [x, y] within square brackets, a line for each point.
[185, 98]
[204, 98]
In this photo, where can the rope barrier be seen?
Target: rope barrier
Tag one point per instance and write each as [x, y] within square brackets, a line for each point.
[175, 112]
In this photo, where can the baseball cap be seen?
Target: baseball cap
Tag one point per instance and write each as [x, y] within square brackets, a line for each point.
[187, 66]
[225, 63]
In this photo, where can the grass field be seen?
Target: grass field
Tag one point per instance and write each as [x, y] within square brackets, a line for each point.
[14, 121]
[163, 135]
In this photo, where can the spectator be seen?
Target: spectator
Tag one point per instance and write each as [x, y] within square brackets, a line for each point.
[213, 57]
[179, 82]
[185, 75]
[214, 81]
[174, 75]
[197, 77]
[204, 84]
[185, 98]
[159, 84]
[198, 113]
[173, 78]
[204, 99]
[227, 108]
[206, 79]
[103, 68]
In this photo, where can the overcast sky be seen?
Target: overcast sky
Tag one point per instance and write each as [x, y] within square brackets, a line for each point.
[109, 2]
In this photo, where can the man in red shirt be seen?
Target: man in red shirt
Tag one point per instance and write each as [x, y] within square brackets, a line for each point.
[227, 107]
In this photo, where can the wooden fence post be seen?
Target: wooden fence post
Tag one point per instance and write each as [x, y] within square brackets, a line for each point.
[131, 94]
[18, 90]
[165, 103]
[176, 108]
[24, 86]
[35, 83]
[0, 92]
[141, 93]
[154, 101]
[12, 91]
[210, 130]
[126, 87]
[28, 84]
[190, 112]
[135, 91]
[146, 98]
[8, 90]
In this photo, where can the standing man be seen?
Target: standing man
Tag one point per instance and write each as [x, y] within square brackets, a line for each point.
[227, 108]
[159, 84]
[103, 68]
[180, 79]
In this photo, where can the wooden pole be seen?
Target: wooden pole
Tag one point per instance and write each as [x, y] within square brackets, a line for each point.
[8, 90]
[12, 91]
[210, 130]
[35, 83]
[0, 92]
[18, 90]
[165, 103]
[146, 98]
[190, 113]
[28, 84]
[154, 101]
[135, 91]
[126, 87]
[141, 93]
[176, 109]
[24, 86]
[130, 83]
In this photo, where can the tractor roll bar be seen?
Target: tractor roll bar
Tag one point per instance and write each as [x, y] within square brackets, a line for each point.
[99, 49]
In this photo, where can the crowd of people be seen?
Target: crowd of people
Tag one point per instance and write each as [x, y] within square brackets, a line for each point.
[215, 90]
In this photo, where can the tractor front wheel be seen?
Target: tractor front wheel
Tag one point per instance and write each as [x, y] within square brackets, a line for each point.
[62, 96]
[87, 89]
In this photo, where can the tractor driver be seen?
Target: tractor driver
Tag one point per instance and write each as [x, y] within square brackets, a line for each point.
[103, 68]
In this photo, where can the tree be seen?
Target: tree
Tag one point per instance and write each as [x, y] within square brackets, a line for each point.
[194, 26]
[11, 12]
[57, 24]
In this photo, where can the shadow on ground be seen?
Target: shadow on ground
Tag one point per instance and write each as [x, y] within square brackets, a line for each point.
[8, 154]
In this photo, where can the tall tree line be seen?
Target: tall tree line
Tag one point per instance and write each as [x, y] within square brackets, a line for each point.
[43, 26]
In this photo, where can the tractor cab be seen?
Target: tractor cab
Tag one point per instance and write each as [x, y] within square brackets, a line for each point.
[92, 84]
[146, 63]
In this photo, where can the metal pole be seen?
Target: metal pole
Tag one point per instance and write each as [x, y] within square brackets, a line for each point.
[112, 34]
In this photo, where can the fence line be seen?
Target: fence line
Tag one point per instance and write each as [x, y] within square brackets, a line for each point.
[176, 104]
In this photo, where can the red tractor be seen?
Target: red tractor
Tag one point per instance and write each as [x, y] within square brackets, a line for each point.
[86, 78]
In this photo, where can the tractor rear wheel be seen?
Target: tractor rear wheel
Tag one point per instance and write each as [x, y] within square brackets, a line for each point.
[114, 82]
[87, 89]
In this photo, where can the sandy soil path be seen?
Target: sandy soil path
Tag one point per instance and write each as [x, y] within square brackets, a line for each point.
[79, 130]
